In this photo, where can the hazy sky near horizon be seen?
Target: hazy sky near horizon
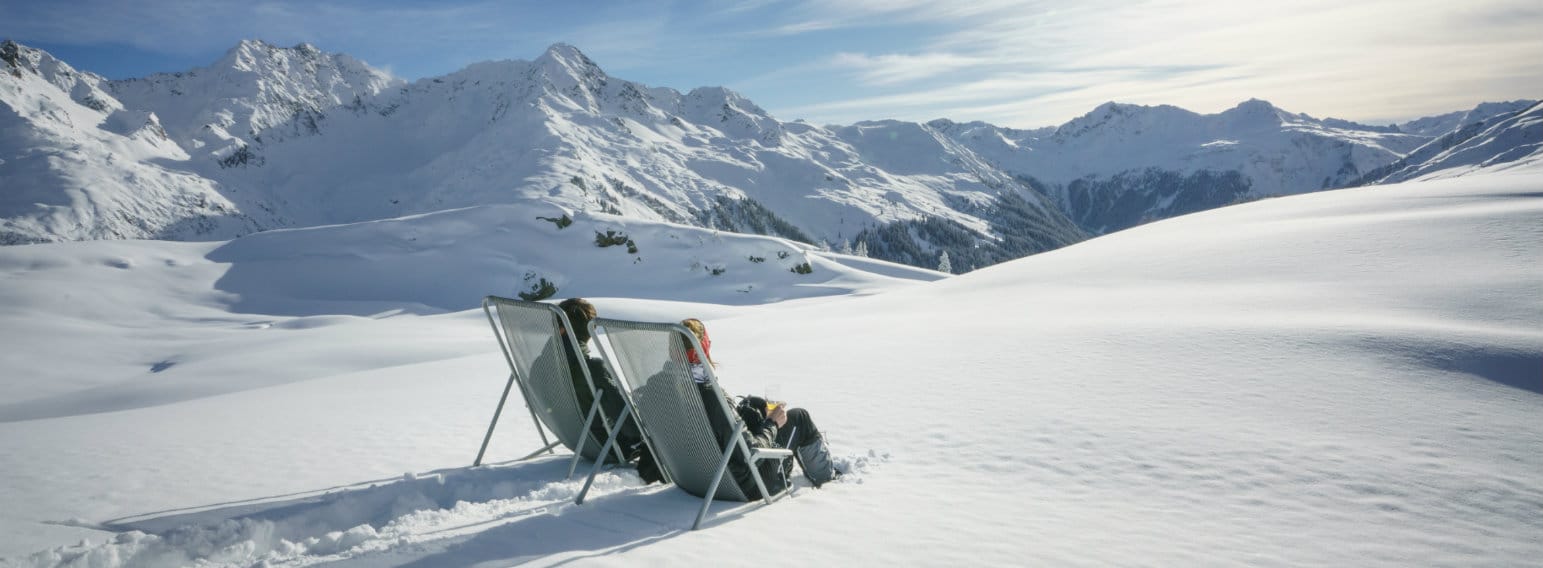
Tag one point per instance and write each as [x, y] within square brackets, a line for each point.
[1020, 63]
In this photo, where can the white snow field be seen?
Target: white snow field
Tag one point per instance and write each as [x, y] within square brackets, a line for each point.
[1348, 378]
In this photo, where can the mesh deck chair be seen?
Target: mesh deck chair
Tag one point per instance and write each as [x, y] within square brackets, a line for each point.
[528, 334]
[648, 359]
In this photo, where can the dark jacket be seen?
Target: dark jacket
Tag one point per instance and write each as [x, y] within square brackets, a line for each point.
[760, 432]
[611, 402]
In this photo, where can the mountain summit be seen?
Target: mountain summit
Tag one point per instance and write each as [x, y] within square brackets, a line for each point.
[255, 89]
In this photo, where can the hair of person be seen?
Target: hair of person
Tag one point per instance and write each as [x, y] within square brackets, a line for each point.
[579, 312]
[700, 331]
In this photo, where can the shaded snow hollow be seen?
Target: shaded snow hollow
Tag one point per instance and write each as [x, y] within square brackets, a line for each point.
[1343, 378]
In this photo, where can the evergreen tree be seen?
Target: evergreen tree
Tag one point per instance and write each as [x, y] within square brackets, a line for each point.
[943, 264]
[862, 249]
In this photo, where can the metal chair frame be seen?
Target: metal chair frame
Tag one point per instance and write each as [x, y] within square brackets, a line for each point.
[578, 430]
[689, 438]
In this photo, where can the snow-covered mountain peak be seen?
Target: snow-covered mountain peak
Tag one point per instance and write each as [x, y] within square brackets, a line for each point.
[950, 126]
[731, 113]
[566, 55]
[1256, 106]
[723, 97]
[572, 74]
[254, 88]
[263, 58]
[11, 54]
[1102, 114]
[22, 58]
[1443, 124]
[1121, 118]
[989, 134]
[1257, 113]
[304, 61]
[83, 87]
[245, 55]
[1500, 141]
[946, 125]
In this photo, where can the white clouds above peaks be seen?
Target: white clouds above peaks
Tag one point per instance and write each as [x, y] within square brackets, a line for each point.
[1038, 63]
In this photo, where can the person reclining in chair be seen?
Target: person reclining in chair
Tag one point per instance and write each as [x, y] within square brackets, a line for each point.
[770, 424]
[580, 312]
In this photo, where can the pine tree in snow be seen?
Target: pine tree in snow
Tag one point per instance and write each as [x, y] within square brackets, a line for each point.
[944, 265]
[862, 248]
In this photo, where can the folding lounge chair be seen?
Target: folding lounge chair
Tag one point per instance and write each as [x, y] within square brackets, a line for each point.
[528, 334]
[649, 360]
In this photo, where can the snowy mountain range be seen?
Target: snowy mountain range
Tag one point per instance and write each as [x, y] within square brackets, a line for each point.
[270, 137]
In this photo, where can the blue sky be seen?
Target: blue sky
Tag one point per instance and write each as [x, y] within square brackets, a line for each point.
[1012, 63]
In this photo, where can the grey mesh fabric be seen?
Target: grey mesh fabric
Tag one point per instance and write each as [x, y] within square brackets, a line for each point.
[527, 332]
[650, 359]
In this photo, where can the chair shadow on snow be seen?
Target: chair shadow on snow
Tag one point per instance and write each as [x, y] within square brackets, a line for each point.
[511, 512]
[613, 524]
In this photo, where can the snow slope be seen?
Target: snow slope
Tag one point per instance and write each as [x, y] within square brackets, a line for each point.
[1348, 378]
[340, 279]
[1502, 142]
[1440, 125]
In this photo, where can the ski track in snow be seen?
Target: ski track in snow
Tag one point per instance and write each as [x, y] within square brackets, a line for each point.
[414, 518]
[335, 524]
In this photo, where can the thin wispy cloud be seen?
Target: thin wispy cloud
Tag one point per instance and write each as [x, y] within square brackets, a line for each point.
[798, 28]
[901, 68]
[1031, 85]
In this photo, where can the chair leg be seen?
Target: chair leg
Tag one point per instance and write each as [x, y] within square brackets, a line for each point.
[544, 449]
[755, 470]
[496, 412]
[723, 466]
[578, 450]
[609, 441]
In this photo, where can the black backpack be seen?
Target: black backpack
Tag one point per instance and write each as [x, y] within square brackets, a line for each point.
[752, 409]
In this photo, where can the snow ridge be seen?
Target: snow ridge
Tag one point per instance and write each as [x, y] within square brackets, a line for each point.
[1498, 141]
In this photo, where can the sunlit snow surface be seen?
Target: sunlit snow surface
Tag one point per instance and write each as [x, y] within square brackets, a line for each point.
[1345, 378]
